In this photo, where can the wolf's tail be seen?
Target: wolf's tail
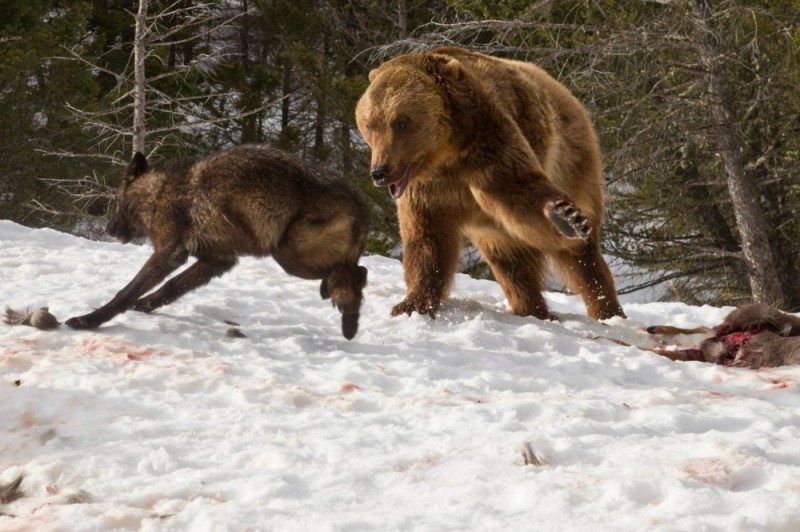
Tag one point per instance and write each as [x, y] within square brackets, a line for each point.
[344, 286]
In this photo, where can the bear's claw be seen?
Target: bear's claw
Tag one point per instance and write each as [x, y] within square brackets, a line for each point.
[420, 304]
[567, 218]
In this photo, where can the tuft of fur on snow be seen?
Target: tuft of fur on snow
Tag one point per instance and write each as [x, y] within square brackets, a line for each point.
[40, 318]
[79, 497]
[530, 456]
[235, 332]
[11, 491]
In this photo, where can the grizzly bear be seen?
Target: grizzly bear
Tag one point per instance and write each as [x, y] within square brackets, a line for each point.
[500, 152]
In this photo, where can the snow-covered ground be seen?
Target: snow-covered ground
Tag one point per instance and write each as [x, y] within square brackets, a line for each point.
[162, 422]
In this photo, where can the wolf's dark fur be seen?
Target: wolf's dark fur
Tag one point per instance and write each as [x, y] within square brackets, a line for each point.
[249, 200]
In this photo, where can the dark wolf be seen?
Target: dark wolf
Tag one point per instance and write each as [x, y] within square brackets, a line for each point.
[249, 200]
[754, 335]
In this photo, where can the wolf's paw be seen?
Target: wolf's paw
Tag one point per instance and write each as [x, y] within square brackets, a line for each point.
[567, 218]
[144, 305]
[349, 325]
[82, 322]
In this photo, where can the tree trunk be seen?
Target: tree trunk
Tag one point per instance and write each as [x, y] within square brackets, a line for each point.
[346, 149]
[722, 235]
[139, 83]
[323, 83]
[753, 229]
[286, 90]
[244, 38]
[402, 19]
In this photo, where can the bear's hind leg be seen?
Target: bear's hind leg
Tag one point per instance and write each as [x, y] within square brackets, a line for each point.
[586, 273]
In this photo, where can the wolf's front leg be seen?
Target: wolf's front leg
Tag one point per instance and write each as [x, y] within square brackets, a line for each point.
[156, 269]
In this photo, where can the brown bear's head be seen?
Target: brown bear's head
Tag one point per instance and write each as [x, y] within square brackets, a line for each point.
[405, 118]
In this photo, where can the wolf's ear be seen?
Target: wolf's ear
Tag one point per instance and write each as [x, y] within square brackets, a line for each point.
[137, 167]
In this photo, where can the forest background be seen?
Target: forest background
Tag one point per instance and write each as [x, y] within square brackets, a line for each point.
[696, 103]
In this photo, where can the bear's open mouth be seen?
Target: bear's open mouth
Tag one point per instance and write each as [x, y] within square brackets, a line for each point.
[397, 188]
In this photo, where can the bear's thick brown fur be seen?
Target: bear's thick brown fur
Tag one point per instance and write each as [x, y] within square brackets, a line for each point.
[496, 150]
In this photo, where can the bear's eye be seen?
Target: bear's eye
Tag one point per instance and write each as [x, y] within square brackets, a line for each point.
[400, 125]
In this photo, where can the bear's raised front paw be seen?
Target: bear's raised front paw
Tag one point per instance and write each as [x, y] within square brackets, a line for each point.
[567, 218]
[421, 304]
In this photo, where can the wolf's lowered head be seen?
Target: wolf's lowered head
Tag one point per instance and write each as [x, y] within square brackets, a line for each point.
[126, 224]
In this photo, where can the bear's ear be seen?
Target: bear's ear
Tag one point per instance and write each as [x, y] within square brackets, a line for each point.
[137, 167]
[446, 70]
[461, 91]
[372, 74]
[450, 69]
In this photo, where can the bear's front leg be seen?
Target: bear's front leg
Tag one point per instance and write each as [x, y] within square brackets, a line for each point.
[535, 212]
[567, 218]
[431, 245]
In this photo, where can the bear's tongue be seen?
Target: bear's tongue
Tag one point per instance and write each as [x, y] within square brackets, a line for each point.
[396, 189]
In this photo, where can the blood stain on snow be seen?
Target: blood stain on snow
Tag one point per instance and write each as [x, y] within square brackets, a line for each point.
[349, 387]
[708, 470]
[114, 348]
[19, 346]
[146, 352]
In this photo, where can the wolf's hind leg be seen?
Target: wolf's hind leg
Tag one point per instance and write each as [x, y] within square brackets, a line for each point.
[195, 276]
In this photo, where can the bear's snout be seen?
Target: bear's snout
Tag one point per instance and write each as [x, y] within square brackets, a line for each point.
[380, 173]
[382, 177]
